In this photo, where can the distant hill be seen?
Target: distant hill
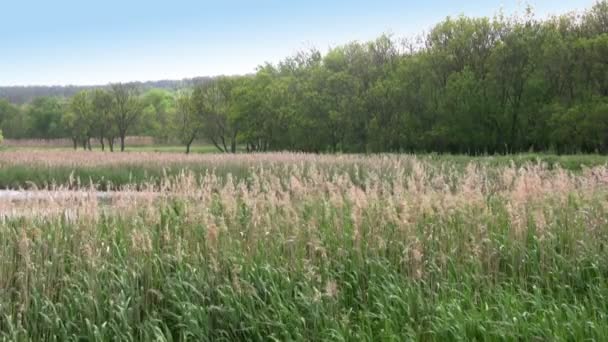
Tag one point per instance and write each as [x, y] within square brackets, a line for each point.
[24, 94]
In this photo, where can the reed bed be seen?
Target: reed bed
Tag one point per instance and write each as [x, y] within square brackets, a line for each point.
[62, 158]
[49, 169]
[303, 247]
[31, 169]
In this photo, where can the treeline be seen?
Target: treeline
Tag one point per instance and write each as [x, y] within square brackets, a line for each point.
[25, 94]
[471, 85]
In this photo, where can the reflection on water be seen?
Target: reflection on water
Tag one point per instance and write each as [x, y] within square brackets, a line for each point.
[23, 195]
[69, 203]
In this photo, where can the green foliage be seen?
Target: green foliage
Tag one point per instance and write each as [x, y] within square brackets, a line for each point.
[45, 114]
[80, 119]
[159, 110]
[212, 112]
[11, 122]
[473, 86]
[188, 119]
[127, 109]
[104, 125]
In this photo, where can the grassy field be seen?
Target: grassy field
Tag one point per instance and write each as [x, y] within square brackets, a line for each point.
[308, 247]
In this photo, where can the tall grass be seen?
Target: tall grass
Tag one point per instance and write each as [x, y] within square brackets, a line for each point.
[407, 249]
[110, 171]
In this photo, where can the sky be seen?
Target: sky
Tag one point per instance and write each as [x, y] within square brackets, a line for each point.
[88, 42]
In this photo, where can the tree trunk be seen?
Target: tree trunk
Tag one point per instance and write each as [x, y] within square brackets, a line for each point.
[233, 142]
[122, 143]
[217, 145]
[188, 144]
[89, 143]
[103, 146]
[111, 144]
[224, 143]
[75, 141]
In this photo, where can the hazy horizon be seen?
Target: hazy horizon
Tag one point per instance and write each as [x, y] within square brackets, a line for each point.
[72, 43]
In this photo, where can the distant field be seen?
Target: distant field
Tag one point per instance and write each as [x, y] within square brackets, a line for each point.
[67, 143]
[304, 247]
[144, 148]
[133, 144]
[151, 148]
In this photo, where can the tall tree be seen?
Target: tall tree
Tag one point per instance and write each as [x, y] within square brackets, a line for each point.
[214, 100]
[104, 127]
[44, 116]
[159, 109]
[188, 118]
[12, 121]
[127, 109]
[83, 123]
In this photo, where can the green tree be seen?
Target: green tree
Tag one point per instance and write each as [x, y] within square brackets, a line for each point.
[12, 121]
[104, 126]
[45, 114]
[127, 109]
[188, 119]
[84, 123]
[159, 110]
[214, 101]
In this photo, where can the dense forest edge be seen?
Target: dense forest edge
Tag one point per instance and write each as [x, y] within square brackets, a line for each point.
[506, 84]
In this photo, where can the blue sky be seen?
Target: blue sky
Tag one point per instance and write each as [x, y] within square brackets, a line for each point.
[95, 42]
